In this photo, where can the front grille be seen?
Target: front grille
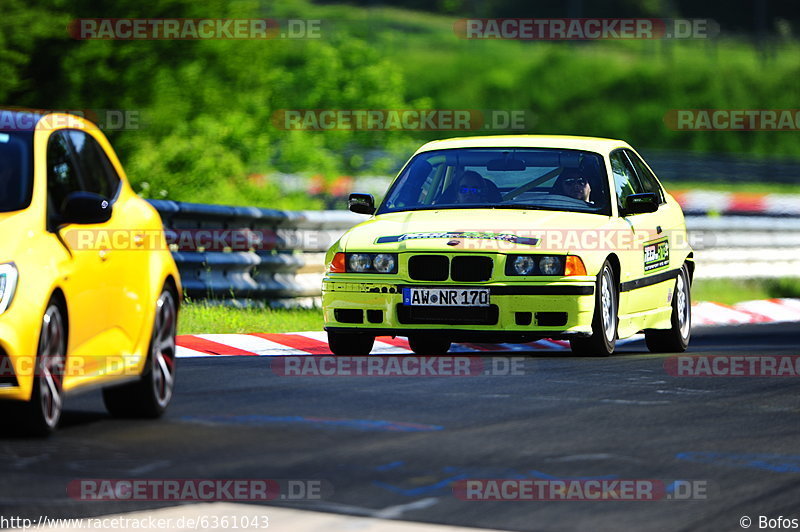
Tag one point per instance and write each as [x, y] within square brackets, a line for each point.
[348, 315]
[428, 267]
[448, 315]
[471, 269]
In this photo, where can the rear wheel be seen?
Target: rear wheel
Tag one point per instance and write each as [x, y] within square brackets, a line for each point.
[675, 339]
[425, 345]
[604, 323]
[149, 396]
[41, 414]
[346, 343]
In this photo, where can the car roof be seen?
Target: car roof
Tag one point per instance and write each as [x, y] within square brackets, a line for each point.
[594, 144]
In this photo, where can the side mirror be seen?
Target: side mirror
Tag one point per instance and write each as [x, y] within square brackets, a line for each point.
[85, 208]
[641, 203]
[361, 203]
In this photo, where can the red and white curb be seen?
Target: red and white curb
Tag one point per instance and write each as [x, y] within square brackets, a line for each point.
[315, 342]
[738, 203]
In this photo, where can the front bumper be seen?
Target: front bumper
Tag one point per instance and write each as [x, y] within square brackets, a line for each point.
[518, 311]
[18, 344]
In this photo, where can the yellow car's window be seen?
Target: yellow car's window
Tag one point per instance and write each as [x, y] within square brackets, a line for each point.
[503, 178]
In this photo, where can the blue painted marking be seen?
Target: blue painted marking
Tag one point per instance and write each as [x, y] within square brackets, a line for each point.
[389, 466]
[778, 463]
[358, 424]
[442, 485]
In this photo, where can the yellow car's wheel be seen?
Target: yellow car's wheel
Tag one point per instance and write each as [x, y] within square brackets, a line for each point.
[604, 324]
[428, 345]
[40, 416]
[675, 339]
[149, 396]
[343, 343]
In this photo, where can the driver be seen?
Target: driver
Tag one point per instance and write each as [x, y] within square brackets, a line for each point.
[470, 188]
[575, 186]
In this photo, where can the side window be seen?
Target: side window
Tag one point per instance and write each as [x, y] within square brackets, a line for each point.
[648, 180]
[97, 172]
[625, 180]
[62, 175]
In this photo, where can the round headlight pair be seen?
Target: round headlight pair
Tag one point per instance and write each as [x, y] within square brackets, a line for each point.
[548, 265]
[367, 262]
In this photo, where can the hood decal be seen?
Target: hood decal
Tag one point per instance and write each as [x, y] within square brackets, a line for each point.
[459, 234]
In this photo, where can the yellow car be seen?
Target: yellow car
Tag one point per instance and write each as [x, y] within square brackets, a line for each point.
[513, 239]
[89, 291]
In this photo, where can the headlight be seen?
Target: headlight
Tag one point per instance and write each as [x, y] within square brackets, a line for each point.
[551, 265]
[372, 263]
[534, 265]
[384, 263]
[8, 284]
[359, 262]
[524, 265]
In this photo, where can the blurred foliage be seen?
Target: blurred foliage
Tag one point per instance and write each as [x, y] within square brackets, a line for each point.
[206, 107]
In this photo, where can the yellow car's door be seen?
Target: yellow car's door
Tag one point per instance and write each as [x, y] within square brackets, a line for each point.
[85, 280]
[648, 255]
[121, 242]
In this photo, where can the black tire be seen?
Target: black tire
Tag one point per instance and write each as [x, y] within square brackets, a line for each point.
[605, 321]
[353, 344]
[40, 415]
[150, 395]
[675, 339]
[426, 345]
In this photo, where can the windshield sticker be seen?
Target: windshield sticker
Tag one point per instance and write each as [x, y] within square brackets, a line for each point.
[656, 255]
[514, 239]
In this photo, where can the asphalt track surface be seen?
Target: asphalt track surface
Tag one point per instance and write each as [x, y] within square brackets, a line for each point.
[623, 417]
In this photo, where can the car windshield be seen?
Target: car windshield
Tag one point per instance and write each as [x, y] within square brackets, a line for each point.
[501, 178]
[16, 172]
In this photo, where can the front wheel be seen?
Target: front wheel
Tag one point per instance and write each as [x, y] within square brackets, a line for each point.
[346, 343]
[675, 339]
[604, 323]
[41, 414]
[149, 396]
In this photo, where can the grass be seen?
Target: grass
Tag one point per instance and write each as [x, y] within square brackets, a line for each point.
[202, 318]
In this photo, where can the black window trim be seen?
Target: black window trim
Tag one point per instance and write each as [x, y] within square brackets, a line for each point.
[662, 200]
[113, 198]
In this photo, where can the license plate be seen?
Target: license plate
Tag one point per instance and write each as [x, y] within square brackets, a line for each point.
[446, 297]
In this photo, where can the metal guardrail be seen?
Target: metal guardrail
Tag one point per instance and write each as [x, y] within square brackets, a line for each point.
[240, 254]
[246, 253]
